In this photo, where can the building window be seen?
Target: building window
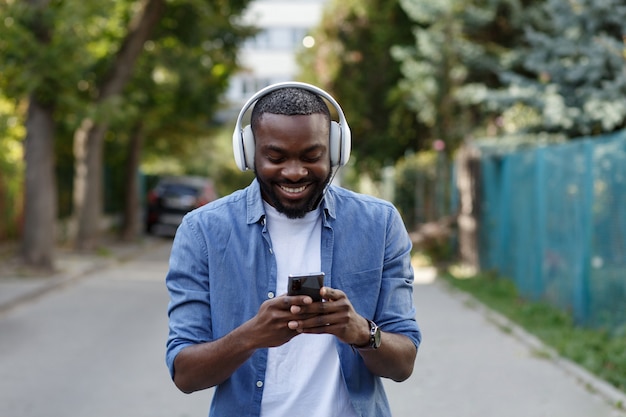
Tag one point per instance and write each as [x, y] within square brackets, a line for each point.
[278, 38]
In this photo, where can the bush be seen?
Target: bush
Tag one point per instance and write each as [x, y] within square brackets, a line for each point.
[422, 188]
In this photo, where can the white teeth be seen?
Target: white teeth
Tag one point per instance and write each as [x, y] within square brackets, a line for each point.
[292, 190]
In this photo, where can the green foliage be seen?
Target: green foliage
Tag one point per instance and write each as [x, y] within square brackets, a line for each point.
[457, 51]
[177, 87]
[174, 93]
[432, 67]
[351, 59]
[485, 68]
[179, 80]
[76, 35]
[411, 171]
[601, 352]
[11, 169]
[570, 75]
[78, 39]
[218, 160]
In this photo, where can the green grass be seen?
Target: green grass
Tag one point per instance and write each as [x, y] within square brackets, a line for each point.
[597, 350]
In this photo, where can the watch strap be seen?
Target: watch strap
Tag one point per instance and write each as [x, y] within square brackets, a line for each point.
[374, 341]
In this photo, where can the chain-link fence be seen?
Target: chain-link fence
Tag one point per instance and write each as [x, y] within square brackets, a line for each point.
[553, 218]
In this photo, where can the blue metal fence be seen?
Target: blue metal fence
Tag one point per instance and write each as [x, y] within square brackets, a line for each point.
[553, 219]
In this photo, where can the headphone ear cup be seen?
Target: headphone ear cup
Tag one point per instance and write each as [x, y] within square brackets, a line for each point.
[335, 144]
[247, 140]
[240, 159]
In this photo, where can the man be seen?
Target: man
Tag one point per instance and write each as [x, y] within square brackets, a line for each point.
[231, 324]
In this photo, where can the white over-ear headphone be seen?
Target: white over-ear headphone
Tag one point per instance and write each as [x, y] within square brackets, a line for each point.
[340, 136]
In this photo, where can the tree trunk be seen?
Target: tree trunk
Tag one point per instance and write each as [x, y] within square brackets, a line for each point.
[88, 145]
[40, 207]
[40, 192]
[131, 226]
[468, 183]
[88, 139]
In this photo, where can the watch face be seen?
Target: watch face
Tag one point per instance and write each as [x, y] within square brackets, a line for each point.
[376, 337]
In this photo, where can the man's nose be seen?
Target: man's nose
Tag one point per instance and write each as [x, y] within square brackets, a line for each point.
[295, 170]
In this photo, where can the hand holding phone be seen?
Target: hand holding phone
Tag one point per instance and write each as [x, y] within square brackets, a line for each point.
[306, 284]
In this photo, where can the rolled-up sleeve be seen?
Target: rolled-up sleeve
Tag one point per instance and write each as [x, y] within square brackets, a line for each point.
[396, 310]
[187, 281]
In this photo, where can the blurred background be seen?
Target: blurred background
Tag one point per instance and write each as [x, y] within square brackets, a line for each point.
[496, 127]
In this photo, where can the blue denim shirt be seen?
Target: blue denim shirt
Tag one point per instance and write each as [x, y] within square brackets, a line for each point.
[222, 268]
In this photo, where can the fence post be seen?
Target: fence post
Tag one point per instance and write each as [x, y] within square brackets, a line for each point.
[500, 250]
[540, 215]
[581, 285]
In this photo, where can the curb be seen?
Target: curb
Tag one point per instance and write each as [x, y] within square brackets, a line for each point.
[603, 389]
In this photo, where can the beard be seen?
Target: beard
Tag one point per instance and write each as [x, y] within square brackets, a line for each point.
[299, 210]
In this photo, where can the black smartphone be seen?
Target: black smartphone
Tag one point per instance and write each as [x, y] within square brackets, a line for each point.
[306, 284]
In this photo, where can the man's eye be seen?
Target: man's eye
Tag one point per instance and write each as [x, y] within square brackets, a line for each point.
[275, 159]
[312, 158]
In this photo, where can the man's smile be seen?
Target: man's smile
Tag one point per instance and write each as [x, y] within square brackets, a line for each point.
[293, 190]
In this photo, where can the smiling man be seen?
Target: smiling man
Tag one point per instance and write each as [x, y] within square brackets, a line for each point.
[292, 162]
[233, 326]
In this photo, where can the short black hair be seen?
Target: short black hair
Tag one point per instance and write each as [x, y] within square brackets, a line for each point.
[289, 101]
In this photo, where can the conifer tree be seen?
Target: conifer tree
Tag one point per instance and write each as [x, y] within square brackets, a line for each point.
[458, 53]
[571, 75]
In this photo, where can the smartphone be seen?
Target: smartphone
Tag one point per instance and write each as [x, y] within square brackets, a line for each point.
[306, 284]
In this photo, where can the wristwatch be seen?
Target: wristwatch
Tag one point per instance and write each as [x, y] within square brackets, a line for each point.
[374, 342]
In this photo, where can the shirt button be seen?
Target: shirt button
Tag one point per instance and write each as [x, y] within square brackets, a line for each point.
[259, 384]
[270, 295]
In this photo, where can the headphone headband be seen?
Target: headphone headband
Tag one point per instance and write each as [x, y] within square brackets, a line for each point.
[240, 134]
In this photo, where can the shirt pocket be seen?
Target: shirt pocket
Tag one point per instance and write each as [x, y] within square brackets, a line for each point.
[362, 288]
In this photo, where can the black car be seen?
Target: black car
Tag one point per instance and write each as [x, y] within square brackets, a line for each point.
[172, 198]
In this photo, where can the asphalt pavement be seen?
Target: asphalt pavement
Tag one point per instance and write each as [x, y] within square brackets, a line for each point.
[55, 361]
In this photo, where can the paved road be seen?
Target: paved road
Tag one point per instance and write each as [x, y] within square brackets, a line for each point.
[94, 347]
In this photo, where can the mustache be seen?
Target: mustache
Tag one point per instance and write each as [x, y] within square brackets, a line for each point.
[299, 182]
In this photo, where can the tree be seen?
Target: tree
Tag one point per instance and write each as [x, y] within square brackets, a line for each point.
[351, 59]
[29, 25]
[191, 52]
[570, 77]
[178, 84]
[68, 61]
[44, 52]
[89, 137]
[459, 50]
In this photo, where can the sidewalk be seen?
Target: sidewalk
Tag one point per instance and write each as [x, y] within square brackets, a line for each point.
[589, 381]
[18, 286]
[473, 362]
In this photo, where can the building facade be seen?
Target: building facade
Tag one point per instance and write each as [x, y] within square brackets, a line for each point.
[269, 57]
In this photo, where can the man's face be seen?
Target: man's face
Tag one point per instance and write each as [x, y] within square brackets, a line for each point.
[292, 161]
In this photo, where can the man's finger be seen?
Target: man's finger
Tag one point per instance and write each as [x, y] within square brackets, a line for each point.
[331, 293]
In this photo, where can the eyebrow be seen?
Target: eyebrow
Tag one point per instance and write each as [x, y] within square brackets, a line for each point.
[272, 147]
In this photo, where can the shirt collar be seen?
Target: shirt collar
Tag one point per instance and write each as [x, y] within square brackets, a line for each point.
[329, 203]
[254, 200]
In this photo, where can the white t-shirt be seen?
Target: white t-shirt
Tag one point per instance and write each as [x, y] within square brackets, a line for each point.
[303, 376]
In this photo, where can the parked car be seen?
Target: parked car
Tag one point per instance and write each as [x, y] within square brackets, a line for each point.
[172, 198]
